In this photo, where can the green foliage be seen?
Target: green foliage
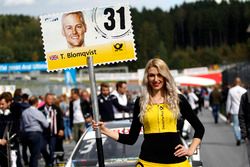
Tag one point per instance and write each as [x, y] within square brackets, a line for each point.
[6, 54]
[194, 34]
[20, 39]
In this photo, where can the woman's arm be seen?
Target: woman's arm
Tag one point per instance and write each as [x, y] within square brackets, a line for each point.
[104, 130]
[188, 114]
[134, 131]
[182, 151]
[191, 117]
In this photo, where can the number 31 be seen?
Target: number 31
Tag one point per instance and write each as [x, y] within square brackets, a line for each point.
[111, 24]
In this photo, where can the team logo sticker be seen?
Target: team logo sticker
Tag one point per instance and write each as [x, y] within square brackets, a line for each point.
[105, 33]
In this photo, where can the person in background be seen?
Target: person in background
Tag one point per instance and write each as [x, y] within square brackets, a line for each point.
[120, 92]
[215, 101]
[25, 101]
[244, 119]
[17, 97]
[105, 103]
[9, 133]
[197, 92]
[55, 130]
[224, 93]
[17, 108]
[193, 100]
[59, 140]
[204, 98]
[121, 108]
[24, 104]
[162, 146]
[33, 122]
[86, 107]
[183, 91]
[64, 105]
[76, 113]
[232, 107]
[41, 101]
[16, 105]
[206, 105]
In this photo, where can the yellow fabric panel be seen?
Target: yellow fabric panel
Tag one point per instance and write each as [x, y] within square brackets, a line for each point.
[159, 119]
[142, 163]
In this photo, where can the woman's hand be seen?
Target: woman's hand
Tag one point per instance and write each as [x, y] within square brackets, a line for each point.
[182, 151]
[104, 130]
[99, 124]
[3, 142]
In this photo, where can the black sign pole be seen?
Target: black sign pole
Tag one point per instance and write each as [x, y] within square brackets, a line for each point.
[95, 111]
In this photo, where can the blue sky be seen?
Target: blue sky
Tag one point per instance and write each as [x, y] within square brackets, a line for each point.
[41, 7]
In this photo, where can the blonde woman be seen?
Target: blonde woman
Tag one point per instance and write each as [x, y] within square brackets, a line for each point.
[157, 110]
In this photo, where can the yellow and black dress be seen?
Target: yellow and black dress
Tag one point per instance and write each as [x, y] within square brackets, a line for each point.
[160, 134]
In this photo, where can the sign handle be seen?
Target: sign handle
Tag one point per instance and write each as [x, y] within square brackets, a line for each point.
[95, 111]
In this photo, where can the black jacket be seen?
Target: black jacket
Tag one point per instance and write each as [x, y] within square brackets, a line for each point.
[9, 123]
[244, 114]
[59, 119]
[106, 107]
[118, 106]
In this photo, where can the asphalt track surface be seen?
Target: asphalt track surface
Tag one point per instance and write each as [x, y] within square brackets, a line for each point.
[218, 147]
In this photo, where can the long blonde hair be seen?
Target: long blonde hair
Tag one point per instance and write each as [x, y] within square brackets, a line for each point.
[171, 95]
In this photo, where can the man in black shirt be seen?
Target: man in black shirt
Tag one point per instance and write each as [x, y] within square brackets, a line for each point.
[107, 102]
[9, 128]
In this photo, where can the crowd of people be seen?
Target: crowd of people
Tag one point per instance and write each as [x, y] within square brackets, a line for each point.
[43, 124]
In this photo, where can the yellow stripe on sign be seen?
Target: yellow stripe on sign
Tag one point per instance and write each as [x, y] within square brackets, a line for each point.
[105, 53]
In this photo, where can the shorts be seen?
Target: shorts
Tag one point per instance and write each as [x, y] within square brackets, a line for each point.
[142, 163]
